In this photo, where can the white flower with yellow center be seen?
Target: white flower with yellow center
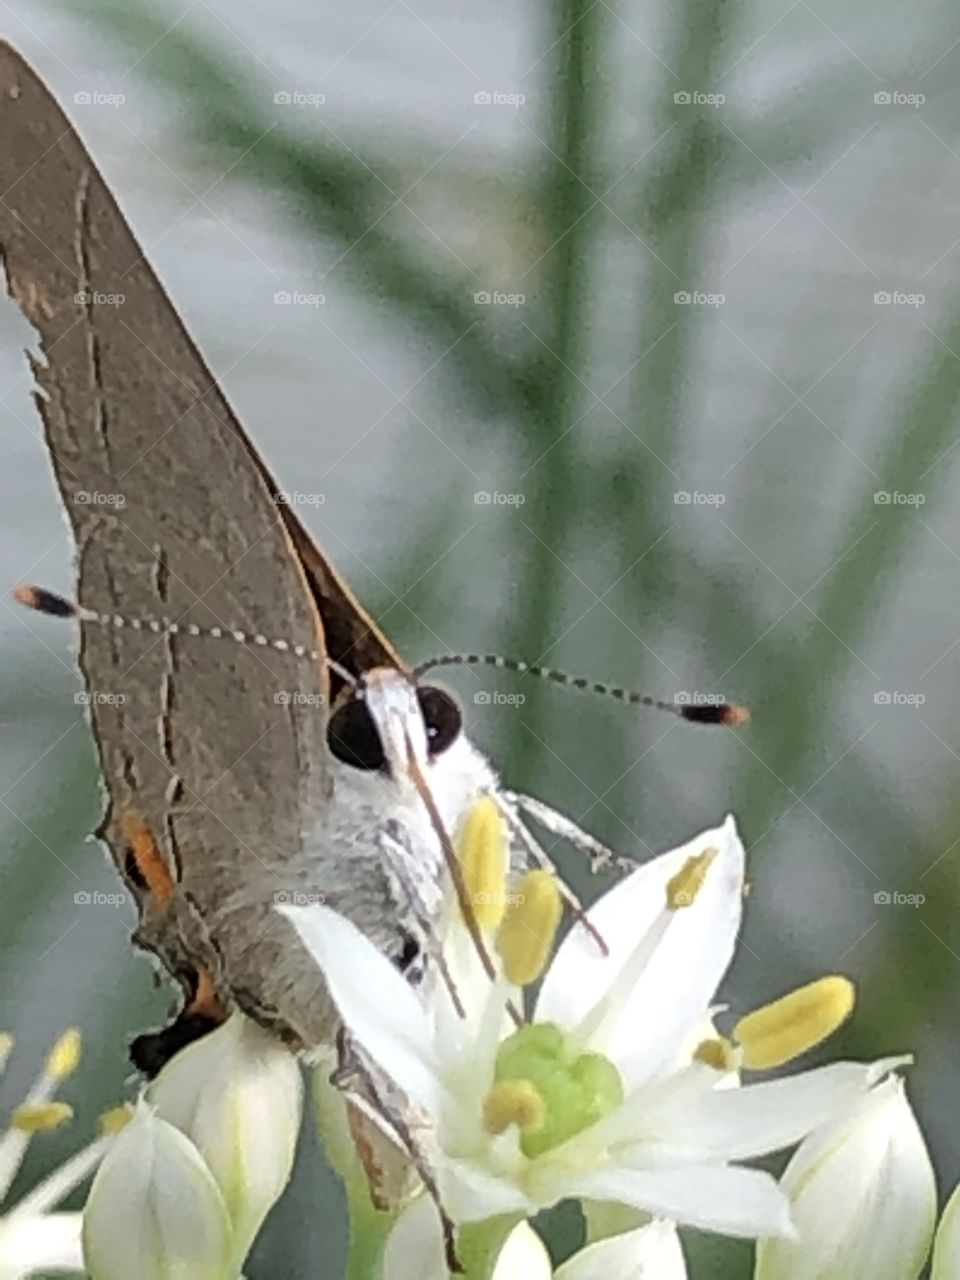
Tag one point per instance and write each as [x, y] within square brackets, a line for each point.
[33, 1238]
[598, 1096]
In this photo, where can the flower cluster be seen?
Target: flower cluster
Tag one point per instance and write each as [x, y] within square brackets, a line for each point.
[522, 1074]
[616, 1090]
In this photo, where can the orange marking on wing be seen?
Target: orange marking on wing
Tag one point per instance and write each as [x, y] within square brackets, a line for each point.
[149, 860]
[205, 999]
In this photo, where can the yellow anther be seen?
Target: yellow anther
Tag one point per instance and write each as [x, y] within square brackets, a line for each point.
[718, 1053]
[115, 1119]
[6, 1044]
[781, 1031]
[683, 888]
[526, 936]
[41, 1116]
[514, 1102]
[483, 856]
[65, 1055]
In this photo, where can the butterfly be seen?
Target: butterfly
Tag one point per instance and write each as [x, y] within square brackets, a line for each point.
[297, 759]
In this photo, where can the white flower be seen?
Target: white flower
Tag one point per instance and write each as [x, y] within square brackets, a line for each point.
[597, 1097]
[652, 1252]
[863, 1196]
[236, 1093]
[32, 1238]
[946, 1247]
[155, 1211]
[523, 1256]
[415, 1252]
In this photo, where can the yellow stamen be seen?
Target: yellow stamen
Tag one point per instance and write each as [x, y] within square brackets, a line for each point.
[718, 1053]
[115, 1119]
[525, 938]
[514, 1102]
[683, 888]
[6, 1044]
[65, 1055]
[40, 1117]
[781, 1031]
[482, 847]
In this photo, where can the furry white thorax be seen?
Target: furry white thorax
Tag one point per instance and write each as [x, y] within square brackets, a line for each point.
[379, 816]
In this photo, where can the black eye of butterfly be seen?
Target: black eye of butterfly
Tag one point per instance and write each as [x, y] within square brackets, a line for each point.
[441, 715]
[353, 738]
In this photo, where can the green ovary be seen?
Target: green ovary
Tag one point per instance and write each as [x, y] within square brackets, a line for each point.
[577, 1089]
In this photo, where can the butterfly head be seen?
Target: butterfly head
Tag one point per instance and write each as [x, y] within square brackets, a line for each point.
[386, 719]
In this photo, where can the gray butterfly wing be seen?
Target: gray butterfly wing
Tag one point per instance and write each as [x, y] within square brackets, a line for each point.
[213, 752]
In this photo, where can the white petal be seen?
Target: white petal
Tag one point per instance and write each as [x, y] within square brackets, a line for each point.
[470, 1194]
[50, 1242]
[374, 1000]
[414, 1248]
[652, 1252]
[946, 1247]
[677, 984]
[155, 1210]
[715, 1197]
[237, 1095]
[523, 1256]
[863, 1197]
[737, 1124]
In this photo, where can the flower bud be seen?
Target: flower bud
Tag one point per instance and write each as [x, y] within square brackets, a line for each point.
[154, 1210]
[237, 1094]
[653, 1250]
[862, 1196]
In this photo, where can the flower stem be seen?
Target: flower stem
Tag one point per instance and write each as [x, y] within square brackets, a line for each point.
[369, 1228]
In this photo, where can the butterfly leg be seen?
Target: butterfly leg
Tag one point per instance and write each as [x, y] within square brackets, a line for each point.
[509, 804]
[396, 860]
[600, 856]
[381, 1122]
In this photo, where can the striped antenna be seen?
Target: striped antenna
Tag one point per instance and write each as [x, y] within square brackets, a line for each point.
[59, 607]
[729, 713]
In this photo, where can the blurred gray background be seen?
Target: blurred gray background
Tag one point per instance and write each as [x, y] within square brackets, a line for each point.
[791, 170]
